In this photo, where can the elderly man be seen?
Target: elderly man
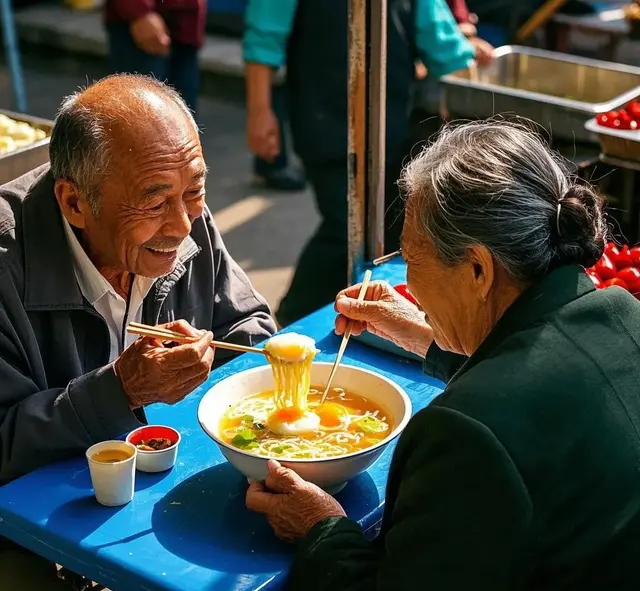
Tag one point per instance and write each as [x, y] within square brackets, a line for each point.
[115, 230]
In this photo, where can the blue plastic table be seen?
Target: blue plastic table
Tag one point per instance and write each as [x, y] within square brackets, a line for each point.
[188, 529]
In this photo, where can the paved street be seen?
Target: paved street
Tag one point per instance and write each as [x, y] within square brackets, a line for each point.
[263, 230]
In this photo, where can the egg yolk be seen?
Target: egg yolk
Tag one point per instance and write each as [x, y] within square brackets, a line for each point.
[292, 351]
[287, 415]
[331, 414]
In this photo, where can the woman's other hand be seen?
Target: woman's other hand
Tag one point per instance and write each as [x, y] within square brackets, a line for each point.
[385, 313]
[291, 505]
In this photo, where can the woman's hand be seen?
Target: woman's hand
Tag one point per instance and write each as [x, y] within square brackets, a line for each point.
[292, 505]
[385, 313]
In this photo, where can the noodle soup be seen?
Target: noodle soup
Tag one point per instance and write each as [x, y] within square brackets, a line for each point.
[343, 424]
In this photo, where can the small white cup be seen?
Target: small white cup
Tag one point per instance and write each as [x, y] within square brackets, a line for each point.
[113, 483]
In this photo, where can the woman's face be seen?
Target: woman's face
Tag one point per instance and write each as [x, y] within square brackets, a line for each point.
[461, 302]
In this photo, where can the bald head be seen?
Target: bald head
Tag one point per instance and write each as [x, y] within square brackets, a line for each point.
[129, 173]
[109, 119]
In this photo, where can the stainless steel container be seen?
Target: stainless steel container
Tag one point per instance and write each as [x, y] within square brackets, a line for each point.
[558, 91]
[16, 163]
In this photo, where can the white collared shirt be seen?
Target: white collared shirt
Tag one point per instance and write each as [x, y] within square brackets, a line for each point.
[103, 297]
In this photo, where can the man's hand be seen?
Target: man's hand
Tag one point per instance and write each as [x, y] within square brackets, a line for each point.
[150, 372]
[263, 133]
[150, 34]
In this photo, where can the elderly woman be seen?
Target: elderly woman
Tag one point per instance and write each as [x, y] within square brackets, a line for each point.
[524, 473]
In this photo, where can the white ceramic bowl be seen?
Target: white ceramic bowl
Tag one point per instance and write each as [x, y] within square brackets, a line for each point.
[157, 460]
[332, 473]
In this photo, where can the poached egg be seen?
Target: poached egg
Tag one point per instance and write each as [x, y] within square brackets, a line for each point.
[290, 347]
[293, 421]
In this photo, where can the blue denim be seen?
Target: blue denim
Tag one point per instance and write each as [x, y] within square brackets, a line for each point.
[180, 68]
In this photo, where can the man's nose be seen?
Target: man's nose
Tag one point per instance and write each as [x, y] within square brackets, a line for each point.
[179, 224]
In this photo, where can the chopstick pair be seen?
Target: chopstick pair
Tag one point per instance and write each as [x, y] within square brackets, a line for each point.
[163, 334]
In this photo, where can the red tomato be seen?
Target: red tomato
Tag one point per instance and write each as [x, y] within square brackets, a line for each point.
[624, 259]
[633, 108]
[615, 281]
[605, 268]
[631, 276]
[635, 255]
[404, 292]
[596, 280]
[612, 251]
[607, 119]
[623, 116]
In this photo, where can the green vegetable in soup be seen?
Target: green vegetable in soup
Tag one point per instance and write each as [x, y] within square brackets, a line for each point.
[247, 419]
[244, 438]
[280, 449]
[370, 424]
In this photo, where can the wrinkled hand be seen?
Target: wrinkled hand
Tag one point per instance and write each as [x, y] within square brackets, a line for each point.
[263, 133]
[484, 52]
[150, 372]
[151, 34]
[385, 313]
[292, 505]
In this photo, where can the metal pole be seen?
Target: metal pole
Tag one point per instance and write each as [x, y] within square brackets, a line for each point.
[357, 121]
[377, 125]
[12, 51]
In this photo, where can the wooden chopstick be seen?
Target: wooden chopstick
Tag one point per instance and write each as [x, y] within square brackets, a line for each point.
[387, 257]
[157, 332]
[347, 334]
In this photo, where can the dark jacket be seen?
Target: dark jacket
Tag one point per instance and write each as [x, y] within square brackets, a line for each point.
[524, 474]
[317, 72]
[58, 393]
[185, 19]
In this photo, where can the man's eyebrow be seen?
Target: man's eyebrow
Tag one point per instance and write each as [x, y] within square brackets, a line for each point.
[154, 190]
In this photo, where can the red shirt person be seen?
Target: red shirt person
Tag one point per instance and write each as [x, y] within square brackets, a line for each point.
[158, 37]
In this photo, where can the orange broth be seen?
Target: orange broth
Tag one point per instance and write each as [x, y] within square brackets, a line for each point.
[364, 421]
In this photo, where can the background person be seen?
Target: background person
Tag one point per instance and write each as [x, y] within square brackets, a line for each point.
[161, 38]
[310, 37]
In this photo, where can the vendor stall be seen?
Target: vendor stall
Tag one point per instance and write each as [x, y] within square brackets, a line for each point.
[24, 144]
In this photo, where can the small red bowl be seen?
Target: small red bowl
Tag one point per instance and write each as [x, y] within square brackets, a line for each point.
[155, 460]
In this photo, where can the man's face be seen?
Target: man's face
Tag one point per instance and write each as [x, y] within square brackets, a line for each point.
[152, 194]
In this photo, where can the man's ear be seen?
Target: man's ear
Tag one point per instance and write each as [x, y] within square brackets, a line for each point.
[72, 203]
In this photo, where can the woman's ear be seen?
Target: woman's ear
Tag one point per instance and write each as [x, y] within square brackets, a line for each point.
[483, 269]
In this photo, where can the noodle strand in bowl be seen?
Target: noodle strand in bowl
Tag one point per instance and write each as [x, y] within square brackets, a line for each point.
[290, 422]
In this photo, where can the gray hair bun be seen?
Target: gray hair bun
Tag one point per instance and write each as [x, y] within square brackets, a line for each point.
[580, 227]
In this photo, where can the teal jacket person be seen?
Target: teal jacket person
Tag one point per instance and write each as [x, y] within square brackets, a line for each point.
[309, 37]
[524, 473]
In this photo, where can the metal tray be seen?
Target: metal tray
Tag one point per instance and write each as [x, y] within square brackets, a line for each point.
[558, 91]
[619, 143]
[16, 163]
